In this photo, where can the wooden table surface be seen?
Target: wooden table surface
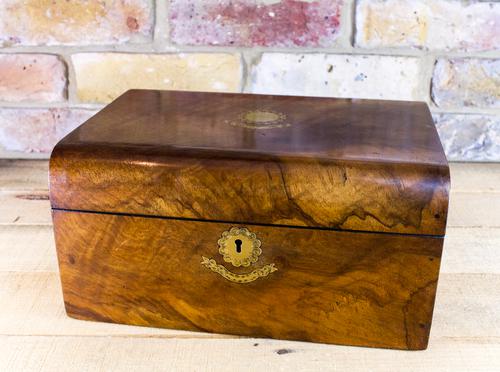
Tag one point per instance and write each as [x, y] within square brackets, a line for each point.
[35, 333]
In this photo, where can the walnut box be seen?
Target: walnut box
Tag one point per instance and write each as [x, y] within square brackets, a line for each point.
[296, 218]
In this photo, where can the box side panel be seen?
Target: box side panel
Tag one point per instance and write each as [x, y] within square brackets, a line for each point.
[364, 289]
[382, 197]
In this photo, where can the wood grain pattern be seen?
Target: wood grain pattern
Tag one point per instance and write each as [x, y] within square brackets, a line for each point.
[31, 248]
[466, 310]
[35, 333]
[330, 186]
[476, 188]
[17, 175]
[336, 287]
[343, 164]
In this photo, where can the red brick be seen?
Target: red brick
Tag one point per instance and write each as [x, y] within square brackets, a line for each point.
[32, 77]
[284, 23]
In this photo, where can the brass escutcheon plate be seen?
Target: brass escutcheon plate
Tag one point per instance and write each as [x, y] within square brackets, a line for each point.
[240, 247]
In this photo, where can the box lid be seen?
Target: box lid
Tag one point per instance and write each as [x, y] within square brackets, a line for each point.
[293, 161]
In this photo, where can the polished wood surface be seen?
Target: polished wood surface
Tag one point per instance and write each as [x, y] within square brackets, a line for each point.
[367, 289]
[349, 199]
[193, 123]
[334, 163]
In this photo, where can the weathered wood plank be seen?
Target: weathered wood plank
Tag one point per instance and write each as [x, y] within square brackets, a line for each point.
[25, 248]
[17, 175]
[475, 177]
[25, 207]
[471, 250]
[132, 354]
[474, 210]
[466, 308]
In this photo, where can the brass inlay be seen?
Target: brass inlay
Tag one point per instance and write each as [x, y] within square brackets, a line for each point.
[238, 278]
[249, 247]
[240, 247]
[260, 119]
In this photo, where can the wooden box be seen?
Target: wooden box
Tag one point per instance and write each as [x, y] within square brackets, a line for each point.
[295, 218]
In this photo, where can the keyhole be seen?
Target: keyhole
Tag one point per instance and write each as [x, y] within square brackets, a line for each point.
[238, 243]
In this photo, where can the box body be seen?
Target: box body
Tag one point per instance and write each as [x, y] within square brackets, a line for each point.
[254, 217]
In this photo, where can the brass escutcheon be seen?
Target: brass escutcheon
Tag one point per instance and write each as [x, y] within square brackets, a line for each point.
[240, 247]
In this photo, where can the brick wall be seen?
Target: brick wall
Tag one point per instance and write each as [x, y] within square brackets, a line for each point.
[62, 60]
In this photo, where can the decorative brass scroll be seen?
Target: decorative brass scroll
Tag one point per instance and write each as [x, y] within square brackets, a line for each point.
[240, 247]
[238, 278]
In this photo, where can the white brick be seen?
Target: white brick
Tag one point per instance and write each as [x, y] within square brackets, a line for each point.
[37, 130]
[353, 76]
[432, 24]
[466, 82]
[469, 137]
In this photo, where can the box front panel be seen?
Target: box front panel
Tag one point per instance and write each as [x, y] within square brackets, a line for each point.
[366, 289]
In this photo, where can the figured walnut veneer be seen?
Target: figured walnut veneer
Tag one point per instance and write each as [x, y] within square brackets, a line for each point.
[338, 287]
[345, 164]
[348, 197]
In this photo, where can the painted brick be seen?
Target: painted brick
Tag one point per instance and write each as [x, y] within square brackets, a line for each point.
[378, 77]
[284, 23]
[32, 77]
[469, 137]
[466, 82]
[101, 77]
[37, 130]
[52, 22]
[432, 24]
